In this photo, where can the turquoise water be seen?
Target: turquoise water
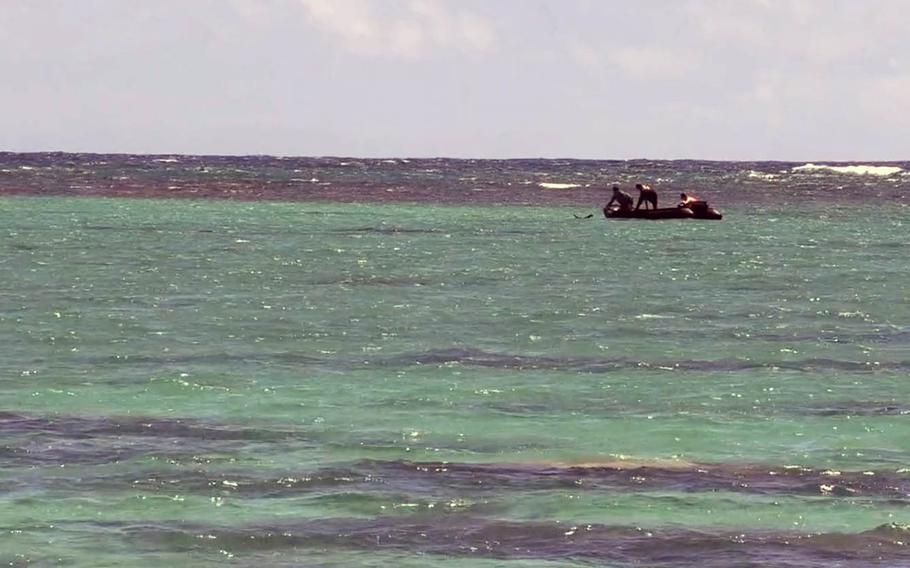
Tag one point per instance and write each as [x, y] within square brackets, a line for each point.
[205, 381]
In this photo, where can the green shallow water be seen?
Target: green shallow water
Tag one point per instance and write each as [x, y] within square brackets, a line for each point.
[329, 333]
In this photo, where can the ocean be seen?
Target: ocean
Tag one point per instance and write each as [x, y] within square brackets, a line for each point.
[432, 362]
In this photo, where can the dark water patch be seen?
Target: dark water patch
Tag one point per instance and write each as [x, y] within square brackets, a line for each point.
[89, 427]
[900, 338]
[442, 479]
[246, 485]
[530, 408]
[610, 407]
[388, 230]
[474, 536]
[180, 229]
[70, 452]
[190, 359]
[24, 247]
[481, 358]
[858, 409]
[200, 480]
[837, 336]
[622, 476]
[65, 440]
[888, 245]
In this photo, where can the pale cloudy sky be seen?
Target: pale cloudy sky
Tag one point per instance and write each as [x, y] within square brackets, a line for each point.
[712, 79]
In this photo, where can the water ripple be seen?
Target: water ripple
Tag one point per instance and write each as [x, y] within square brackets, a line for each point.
[472, 536]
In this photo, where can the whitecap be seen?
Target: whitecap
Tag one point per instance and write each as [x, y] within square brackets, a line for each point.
[754, 174]
[166, 160]
[858, 169]
[548, 185]
[851, 315]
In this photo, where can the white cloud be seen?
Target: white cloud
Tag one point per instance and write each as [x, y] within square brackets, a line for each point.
[807, 31]
[407, 30]
[584, 54]
[638, 62]
[651, 62]
[821, 79]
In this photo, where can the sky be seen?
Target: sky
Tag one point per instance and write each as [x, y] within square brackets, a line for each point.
[605, 79]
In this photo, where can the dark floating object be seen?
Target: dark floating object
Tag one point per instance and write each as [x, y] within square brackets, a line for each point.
[697, 211]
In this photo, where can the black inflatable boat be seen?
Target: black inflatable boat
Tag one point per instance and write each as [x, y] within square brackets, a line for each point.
[697, 211]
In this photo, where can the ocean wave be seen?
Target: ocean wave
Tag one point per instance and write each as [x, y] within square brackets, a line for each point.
[754, 174]
[443, 479]
[84, 427]
[636, 475]
[552, 185]
[450, 479]
[857, 169]
[90, 440]
[454, 535]
[481, 358]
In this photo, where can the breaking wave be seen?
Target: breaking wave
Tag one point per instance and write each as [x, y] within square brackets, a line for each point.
[550, 185]
[858, 169]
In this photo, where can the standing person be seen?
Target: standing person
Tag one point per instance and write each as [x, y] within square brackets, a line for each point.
[623, 199]
[646, 195]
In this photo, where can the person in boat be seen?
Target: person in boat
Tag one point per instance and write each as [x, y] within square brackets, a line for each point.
[621, 198]
[646, 195]
[686, 200]
[699, 206]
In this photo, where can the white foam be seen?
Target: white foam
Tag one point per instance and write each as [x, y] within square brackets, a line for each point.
[166, 160]
[858, 169]
[753, 174]
[548, 185]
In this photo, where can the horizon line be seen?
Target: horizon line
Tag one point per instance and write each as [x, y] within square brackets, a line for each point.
[453, 158]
